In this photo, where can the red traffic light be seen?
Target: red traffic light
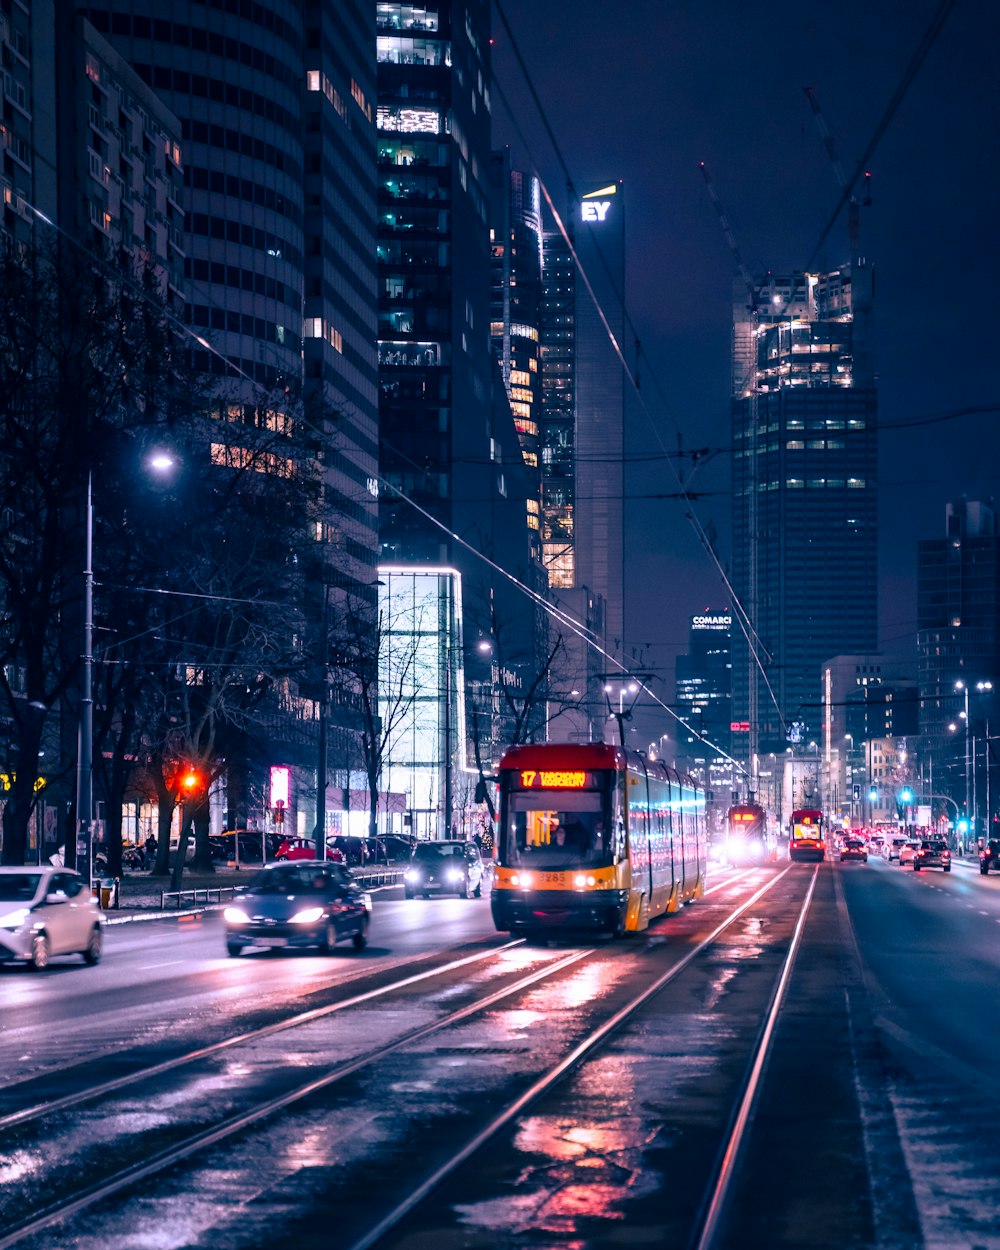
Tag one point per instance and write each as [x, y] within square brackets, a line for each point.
[191, 781]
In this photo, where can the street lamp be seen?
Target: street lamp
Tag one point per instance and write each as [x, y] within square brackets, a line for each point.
[85, 743]
[160, 462]
[970, 777]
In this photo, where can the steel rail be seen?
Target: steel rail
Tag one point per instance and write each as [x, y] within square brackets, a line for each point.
[719, 1190]
[61, 1210]
[27, 1114]
[545, 1082]
[117, 1181]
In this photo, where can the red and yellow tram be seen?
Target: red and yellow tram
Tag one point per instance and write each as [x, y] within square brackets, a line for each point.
[805, 834]
[747, 838]
[594, 837]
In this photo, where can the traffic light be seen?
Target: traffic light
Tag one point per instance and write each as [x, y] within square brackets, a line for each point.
[906, 795]
[873, 793]
[191, 781]
[857, 792]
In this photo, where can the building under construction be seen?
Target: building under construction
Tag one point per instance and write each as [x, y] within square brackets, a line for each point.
[805, 495]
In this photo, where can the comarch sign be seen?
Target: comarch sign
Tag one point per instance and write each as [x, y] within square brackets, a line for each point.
[711, 622]
[594, 205]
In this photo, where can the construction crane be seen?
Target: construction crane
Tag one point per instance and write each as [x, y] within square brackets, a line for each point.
[853, 206]
[741, 267]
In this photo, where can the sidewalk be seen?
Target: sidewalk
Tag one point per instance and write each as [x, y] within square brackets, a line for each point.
[140, 894]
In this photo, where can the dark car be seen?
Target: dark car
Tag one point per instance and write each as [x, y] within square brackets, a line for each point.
[296, 905]
[244, 846]
[989, 856]
[854, 848]
[445, 868]
[932, 853]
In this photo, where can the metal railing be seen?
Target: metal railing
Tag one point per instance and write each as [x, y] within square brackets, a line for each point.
[391, 874]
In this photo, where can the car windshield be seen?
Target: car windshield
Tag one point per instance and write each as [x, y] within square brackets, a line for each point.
[18, 887]
[429, 853]
[301, 880]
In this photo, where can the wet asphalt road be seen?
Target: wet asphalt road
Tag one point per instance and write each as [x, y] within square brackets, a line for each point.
[874, 1126]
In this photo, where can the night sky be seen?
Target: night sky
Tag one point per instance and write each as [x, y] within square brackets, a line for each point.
[644, 91]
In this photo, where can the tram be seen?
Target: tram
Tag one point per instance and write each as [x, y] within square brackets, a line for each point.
[594, 837]
[805, 834]
[747, 840]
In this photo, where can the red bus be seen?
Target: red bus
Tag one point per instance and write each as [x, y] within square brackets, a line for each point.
[805, 834]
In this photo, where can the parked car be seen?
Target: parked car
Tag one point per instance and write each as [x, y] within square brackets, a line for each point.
[989, 856]
[47, 911]
[854, 848]
[296, 848]
[394, 849]
[297, 905]
[245, 846]
[932, 853]
[450, 867]
[907, 852]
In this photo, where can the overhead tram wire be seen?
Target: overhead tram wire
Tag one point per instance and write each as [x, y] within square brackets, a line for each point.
[908, 77]
[563, 618]
[754, 642]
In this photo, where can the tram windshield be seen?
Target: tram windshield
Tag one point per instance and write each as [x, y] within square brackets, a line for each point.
[555, 830]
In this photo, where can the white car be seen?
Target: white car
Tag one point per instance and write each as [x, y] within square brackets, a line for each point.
[47, 910]
[907, 853]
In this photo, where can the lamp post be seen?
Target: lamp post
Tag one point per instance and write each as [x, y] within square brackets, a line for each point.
[160, 462]
[970, 772]
[85, 743]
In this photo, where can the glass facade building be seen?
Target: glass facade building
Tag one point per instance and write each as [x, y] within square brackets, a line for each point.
[804, 496]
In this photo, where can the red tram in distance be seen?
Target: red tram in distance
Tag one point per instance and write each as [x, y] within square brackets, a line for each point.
[805, 834]
[747, 838]
[591, 836]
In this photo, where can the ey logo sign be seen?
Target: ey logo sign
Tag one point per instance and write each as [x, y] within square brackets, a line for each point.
[594, 206]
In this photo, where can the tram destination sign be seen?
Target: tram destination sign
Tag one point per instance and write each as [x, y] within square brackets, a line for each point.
[555, 779]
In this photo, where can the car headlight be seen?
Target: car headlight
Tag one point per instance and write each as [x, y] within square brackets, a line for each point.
[411, 874]
[236, 915]
[308, 915]
[454, 874]
[14, 919]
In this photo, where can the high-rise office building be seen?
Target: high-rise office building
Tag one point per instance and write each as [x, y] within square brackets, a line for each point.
[704, 686]
[28, 126]
[958, 615]
[458, 471]
[435, 357]
[515, 314]
[557, 409]
[276, 111]
[804, 495]
[598, 233]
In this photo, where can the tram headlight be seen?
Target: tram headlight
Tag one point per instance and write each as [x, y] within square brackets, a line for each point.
[581, 880]
[521, 879]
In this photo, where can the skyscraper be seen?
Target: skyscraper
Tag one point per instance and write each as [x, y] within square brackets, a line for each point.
[598, 234]
[958, 613]
[804, 495]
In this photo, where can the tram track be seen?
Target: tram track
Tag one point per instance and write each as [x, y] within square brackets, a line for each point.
[224, 1131]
